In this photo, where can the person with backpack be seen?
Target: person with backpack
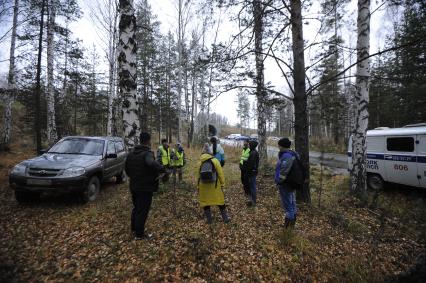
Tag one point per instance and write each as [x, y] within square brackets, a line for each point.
[211, 181]
[143, 171]
[289, 177]
[217, 150]
[251, 168]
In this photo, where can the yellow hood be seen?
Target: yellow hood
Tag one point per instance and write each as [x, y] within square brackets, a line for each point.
[205, 156]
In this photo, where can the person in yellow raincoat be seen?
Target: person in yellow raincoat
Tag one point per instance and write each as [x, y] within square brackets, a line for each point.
[210, 189]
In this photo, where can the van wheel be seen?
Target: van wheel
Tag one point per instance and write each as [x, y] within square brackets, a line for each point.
[121, 178]
[375, 182]
[91, 191]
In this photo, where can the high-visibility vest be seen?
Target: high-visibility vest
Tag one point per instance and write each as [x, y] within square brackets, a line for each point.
[245, 155]
[165, 155]
[178, 160]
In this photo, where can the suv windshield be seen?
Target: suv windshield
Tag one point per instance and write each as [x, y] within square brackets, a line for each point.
[79, 146]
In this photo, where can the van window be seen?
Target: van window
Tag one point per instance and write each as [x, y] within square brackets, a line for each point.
[400, 144]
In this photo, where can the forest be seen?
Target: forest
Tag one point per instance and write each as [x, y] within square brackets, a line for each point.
[316, 71]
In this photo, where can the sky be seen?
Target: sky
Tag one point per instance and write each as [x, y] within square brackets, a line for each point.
[226, 103]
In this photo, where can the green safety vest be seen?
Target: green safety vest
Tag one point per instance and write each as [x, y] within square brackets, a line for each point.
[245, 155]
[179, 159]
[165, 155]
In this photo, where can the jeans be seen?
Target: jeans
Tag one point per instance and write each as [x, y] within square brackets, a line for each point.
[141, 205]
[252, 186]
[288, 201]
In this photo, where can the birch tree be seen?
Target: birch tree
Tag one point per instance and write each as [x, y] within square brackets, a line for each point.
[50, 97]
[358, 171]
[127, 72]
[11, 81]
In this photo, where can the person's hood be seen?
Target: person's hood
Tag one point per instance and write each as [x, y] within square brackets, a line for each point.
[253, 145]
[205, 156]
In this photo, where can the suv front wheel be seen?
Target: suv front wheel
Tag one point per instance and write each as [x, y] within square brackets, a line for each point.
[91, 191]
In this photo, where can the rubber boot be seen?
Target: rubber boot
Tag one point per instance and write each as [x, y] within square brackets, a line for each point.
[224, 216]
[208, 214]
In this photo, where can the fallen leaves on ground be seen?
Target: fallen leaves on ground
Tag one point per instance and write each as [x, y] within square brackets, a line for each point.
[59, 239]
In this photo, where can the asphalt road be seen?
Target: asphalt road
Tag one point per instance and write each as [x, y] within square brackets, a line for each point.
[338, 162]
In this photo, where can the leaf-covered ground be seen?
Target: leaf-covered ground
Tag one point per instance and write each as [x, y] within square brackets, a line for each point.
[58, 239]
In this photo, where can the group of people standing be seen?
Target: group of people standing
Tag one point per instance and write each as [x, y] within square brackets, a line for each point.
[145, 173]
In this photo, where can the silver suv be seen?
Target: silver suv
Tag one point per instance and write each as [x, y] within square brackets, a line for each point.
[75, 164]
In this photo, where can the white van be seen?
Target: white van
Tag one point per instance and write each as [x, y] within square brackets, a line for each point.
[396, 155]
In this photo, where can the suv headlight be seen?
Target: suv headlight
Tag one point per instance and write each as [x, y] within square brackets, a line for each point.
[73, 172]
[19, 170]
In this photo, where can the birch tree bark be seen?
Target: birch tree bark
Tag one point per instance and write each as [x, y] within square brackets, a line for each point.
[301, 126]
[261, 94]
[127, 72]
[6, 133]
[50, 98]
[358, 172]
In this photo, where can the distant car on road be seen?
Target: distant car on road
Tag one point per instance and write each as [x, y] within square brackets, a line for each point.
[232, 136]
[242, 138]
[76, 164]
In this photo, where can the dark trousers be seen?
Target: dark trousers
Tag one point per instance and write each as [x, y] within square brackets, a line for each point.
[253, 189]
[141, 205]
[245, 182]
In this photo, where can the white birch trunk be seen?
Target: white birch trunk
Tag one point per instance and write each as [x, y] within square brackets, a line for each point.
[127, 72]
[7, 128]
[358, 172]
[50, 98]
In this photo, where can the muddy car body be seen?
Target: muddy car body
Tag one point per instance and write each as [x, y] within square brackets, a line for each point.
[76, 164]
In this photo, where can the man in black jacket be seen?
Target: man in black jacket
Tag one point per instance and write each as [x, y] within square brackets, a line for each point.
[252, 167]
[143, 171]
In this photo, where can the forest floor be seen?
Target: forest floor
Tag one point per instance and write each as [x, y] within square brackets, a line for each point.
[59, 239]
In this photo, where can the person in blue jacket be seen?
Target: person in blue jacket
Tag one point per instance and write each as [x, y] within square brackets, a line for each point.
[217, 150]
[286, 159]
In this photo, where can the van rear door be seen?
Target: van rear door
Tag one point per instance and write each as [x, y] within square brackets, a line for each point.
[421, 160]
[401, 160]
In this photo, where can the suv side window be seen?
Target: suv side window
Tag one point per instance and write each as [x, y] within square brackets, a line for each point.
[119, 146]
[405, 144]
[110, 147]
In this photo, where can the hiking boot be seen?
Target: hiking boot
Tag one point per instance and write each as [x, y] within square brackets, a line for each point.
[145, 236]
[208, 214]
[225, 216]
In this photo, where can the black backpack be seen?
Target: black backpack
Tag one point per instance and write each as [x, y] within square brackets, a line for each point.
[296, 176]
[208, 172]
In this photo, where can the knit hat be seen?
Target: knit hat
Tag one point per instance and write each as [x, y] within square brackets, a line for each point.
[206, 148]
[284, 142]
